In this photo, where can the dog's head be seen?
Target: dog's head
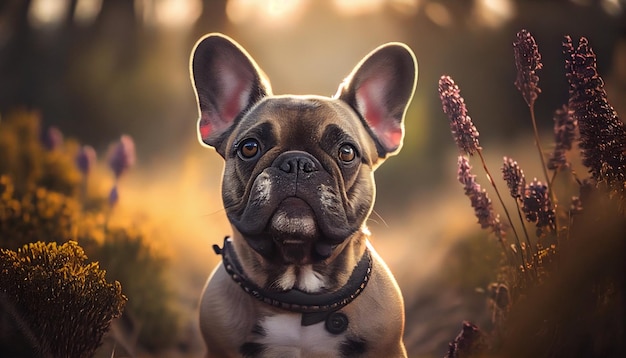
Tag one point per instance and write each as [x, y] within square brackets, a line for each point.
[298, 177]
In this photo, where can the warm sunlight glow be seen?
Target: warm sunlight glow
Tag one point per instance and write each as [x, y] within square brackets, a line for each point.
[612, 7]
[494, 13]
[438, 14]
[86, 11]
[358, 7]
[405, 7]
[238, 11]
[177, 13]
[171, 14]
[44, 13]
[266, 12]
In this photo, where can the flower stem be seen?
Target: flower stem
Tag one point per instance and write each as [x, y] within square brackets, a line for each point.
[531, 254]
[538, 144]
[506, 211]
[553, 198]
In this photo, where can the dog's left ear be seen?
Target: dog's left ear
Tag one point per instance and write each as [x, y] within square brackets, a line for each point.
[380, 89]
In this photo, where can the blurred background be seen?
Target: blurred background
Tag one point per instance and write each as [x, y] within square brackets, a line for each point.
[97, 69]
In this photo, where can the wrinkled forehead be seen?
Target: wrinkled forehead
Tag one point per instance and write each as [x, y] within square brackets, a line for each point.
[304, 118]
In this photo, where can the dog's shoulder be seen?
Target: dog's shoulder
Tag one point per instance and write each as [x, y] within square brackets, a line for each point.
[226, 313]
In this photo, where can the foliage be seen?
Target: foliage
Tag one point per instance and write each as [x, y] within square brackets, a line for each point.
[44, 198]
[142, 272]
[38, 215]
[560, 290]
[32, 164]
[63, 304]
[577, 310]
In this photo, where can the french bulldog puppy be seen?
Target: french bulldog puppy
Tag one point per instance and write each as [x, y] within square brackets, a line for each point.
[299, 277]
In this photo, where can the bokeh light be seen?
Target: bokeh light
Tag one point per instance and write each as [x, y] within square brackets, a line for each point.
[44, 13]
[494, 13]
[438, 14]
[87, 11]
[272, 13]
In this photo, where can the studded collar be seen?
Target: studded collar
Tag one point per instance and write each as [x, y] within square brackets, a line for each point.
[315, 307]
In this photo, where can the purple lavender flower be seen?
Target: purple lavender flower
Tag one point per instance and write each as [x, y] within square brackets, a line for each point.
[565, 127]
[537, 206]
[113, 196]
[86, 159]
[514, 177]
[527, 62]
[483, 209]
[52, 138]
[463, 130]
[602, 133]
[122, 155]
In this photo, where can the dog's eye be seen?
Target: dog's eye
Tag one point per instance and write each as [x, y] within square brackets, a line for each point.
[248, 148]
[347, 153]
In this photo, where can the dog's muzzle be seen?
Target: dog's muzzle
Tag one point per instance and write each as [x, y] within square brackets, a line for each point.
[295, 213]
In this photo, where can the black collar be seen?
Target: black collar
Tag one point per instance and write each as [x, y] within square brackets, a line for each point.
[315, 307]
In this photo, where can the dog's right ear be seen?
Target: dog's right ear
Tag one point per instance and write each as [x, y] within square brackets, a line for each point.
[227, 82]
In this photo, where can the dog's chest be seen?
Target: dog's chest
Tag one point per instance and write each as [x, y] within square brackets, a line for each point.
[282, 335]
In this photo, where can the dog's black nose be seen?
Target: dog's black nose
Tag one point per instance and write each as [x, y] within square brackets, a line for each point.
[297, 162]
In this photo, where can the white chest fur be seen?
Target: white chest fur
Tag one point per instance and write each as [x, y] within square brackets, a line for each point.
[303, 278]
[284, 336]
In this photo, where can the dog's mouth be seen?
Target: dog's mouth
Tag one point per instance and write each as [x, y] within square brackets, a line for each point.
[293, 221]
[294, 230]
